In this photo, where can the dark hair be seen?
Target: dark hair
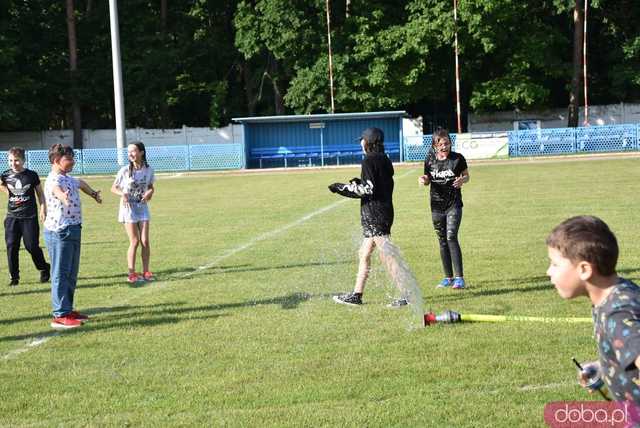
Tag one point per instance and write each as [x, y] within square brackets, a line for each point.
[373, 140]
[17, 152]
[586, 238]
[438, 134]
[58, 151]
[140, 146]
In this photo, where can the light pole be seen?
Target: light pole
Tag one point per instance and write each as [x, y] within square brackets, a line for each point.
[333, 108]
[455, 47]
[118, 94]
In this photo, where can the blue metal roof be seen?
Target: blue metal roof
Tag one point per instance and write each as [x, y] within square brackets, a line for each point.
[317, 117]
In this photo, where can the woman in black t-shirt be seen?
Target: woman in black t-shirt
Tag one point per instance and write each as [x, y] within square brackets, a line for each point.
[446, 172]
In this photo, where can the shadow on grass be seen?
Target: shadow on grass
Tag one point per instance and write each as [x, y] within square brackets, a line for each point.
[170, 275]
[157, 273]
[157, 314]
[91, 312]
[216, 270]
[84, 242]
[529, 284]
[117, 279]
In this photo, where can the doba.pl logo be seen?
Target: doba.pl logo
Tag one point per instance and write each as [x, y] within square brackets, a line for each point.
[591, 414]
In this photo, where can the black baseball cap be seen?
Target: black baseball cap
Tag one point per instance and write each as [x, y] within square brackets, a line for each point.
[372, 135]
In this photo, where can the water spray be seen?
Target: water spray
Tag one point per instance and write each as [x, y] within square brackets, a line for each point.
[452, 317]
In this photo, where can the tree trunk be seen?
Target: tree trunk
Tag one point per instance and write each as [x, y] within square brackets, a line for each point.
[164, 107]
[278, 100]
[346, 9]
[163, 17]
[73, 74]
[249, 89]
[578, 22]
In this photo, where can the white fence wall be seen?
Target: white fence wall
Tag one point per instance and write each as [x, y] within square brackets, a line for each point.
[106, 138]
[611, 114]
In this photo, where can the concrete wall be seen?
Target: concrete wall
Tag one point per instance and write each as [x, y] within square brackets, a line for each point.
[105, 138]
[612, 114]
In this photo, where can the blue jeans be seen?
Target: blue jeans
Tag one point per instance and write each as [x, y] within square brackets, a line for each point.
[64, 255]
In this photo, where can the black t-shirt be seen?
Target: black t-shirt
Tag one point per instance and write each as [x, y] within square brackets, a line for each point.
[22, 192]
[617, 331]
[442, 174]
[375, 191]
[377, 208]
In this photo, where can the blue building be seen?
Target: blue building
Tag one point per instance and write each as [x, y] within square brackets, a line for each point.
[317, 139]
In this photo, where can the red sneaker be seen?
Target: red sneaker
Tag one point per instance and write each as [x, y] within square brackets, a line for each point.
[78, 316]
[65, 322]
[133, 278]
[148, 276]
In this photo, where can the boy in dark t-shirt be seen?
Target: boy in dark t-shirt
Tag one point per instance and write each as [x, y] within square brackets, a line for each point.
[583, 253]
[22, 185]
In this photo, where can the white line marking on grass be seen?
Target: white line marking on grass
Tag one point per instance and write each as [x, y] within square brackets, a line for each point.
[557, 385]
[271, 234]
[30, 345]
[264, 236]
[43, 339]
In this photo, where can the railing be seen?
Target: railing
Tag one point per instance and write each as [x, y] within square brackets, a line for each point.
[541, 142]
[415, 148]
[536, 142]
[558, 141]
[161, 158]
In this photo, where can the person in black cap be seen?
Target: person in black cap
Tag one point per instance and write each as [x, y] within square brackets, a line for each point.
[375, 191]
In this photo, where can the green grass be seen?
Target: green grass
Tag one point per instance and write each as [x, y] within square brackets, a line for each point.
[255, 339]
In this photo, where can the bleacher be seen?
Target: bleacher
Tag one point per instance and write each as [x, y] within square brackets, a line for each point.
[313, 155]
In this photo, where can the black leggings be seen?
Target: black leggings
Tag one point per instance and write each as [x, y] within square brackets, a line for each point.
[28, 230]
[446, 224]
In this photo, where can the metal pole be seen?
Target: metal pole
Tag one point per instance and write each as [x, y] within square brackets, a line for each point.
[584, 65]
[321, 149]
[118, 93]
[455, 44]
[333, 108]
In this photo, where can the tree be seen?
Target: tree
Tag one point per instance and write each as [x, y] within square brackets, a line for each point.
[73, 74]
[574, 91]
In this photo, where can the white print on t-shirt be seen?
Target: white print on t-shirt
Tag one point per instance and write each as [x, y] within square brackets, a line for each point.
[443, 174]
[17, 192]
[136, 185]
[59, 215]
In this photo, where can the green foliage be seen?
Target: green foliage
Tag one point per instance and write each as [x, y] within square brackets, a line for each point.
[215, 59]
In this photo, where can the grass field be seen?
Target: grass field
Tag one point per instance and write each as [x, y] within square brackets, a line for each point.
[240, 328]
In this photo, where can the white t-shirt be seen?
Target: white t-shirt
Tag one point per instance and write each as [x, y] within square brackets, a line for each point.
[60, 216]
[136, 185]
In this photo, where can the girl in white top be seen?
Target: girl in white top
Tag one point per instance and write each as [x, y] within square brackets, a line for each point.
[134, 185]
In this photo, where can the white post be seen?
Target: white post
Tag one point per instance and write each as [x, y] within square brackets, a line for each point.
[455, 44]
[121, 137]
[321, 148]
[333, 107]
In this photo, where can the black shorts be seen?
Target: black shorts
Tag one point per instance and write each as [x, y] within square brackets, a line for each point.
[371, 230]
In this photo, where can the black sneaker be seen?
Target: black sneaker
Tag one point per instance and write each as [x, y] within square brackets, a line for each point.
[14, 282]
[348, 299]
[45, 275]
[398, 303]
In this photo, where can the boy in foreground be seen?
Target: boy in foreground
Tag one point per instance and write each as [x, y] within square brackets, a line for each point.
[583, 253]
